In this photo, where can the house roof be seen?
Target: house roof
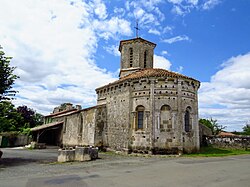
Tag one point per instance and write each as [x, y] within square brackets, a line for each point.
[66, 114]
[147, 73]
[62, 112]
[44, 126]
[226, 134]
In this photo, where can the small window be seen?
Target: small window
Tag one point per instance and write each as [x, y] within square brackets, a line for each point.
[145, 58]
[187, 120]
[130, 57]
[140, 117]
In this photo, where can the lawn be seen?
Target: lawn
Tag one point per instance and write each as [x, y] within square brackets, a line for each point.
[217, 152]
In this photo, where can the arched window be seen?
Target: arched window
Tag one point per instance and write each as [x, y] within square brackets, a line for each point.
[165, 117]
[140, 117]
[145, 58]
[130, 57]
[187, 120]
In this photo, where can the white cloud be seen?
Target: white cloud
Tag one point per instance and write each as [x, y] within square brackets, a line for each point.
[154, 31]
[161, 62]
[168, 29]
[113, 49]
[53, 47]
[99, 9]
[164, 53]
[175, 1]
[209, 4]
[180, 69]
[119, 11]
[183, 7]
[112, 27]
[139, 12]
[148, 19]
[146, 12]
[227, 95]
[193, 2]
[178, 10]
[177, 39]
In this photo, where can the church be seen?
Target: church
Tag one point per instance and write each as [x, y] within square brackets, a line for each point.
[147, 110]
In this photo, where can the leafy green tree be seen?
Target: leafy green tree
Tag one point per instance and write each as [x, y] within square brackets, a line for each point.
[213, 125]
[38, 118]
[9, 117]
[246, 129]
[7, 78]
[20, 119]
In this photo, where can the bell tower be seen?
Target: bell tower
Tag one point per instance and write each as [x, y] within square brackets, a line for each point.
[136, 54]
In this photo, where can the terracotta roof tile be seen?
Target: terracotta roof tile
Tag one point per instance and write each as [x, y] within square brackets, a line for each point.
[149, 72]
[61, 112]
[226, 134]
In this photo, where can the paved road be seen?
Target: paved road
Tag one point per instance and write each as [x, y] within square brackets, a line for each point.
[33, 168]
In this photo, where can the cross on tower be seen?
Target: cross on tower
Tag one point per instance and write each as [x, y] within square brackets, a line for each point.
[136, 28]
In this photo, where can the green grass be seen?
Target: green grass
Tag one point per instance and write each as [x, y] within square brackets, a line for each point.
[217, 152]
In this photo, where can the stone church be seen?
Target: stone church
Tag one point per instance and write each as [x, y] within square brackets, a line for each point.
[147, 110]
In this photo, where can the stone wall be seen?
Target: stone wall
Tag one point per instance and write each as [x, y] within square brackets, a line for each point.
[165, 98]
[101, 139]
[204, 131]
[165, 101]
[118, 117]
[14, 140]
[85, 127]
[236, 142]
[141, 139]
[138, 54]
[142, 55]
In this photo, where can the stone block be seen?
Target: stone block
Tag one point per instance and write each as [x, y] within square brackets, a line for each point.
[66, 155]
[82, 154]
[86, 153]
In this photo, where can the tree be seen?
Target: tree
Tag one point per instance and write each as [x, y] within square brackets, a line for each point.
[30, 117]
[20, 119]
[213, 125]
[9, 117]
[246, 129]
[7, 78]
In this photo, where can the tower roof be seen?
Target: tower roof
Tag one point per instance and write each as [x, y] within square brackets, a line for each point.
[139, 39]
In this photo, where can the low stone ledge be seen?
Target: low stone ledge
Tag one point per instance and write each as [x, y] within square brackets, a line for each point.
[66, 155]
[78, 154]
[82, 154]
[235, 142]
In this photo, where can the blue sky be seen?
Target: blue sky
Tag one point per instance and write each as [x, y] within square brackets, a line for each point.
[64, 49]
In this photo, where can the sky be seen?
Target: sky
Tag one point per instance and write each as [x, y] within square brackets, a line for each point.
[64, 49]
